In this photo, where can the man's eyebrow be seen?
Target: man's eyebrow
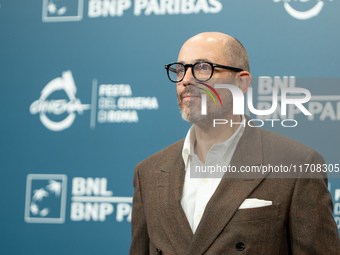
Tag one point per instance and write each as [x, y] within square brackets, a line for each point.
[202, 59]
[196, 60]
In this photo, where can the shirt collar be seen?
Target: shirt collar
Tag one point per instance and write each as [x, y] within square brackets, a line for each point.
[224, 146]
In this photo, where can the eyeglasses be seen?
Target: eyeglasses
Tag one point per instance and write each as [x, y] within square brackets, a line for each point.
[202, 70]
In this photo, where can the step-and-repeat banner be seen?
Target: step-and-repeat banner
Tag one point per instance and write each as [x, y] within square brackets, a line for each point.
[85, 97]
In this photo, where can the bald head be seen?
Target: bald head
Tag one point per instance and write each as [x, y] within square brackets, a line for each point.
[228, 47]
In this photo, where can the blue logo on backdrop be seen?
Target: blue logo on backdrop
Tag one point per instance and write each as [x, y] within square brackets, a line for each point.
[321, 107]
[336, 206]
[72, 10]
[90, 201]
[45, 198]
[62, 10]
[308, 11]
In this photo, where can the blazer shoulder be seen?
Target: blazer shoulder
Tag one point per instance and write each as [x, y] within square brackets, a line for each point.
[158, 157]
[286, 144]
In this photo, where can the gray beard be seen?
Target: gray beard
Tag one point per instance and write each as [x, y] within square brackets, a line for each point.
[196, 116]
[213, 111]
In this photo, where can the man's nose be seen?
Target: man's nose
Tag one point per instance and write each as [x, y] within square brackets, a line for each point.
[187, 79]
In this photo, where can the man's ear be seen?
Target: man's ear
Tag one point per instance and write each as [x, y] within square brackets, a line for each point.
[244, 78]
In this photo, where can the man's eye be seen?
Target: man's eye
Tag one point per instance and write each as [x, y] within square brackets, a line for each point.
[203, 67]
[171, 69]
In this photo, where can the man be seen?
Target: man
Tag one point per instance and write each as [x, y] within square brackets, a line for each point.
[174, 213]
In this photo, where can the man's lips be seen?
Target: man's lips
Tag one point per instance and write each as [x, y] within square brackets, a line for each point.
[188, 96]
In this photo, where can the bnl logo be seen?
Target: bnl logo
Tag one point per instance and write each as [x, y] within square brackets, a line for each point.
[238, 99]
[62, 10]
[45, 198]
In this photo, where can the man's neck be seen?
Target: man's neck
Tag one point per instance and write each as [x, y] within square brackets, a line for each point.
[207, 135]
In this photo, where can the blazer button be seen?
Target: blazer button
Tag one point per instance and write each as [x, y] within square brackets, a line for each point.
[240, 246]
[159, 251]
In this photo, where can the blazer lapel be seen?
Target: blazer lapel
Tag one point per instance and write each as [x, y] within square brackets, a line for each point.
[171, 214]
[230, 193]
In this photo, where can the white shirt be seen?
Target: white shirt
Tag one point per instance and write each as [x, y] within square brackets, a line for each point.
[198, 191]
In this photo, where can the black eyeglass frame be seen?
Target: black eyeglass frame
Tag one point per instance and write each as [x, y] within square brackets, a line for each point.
[213, 65]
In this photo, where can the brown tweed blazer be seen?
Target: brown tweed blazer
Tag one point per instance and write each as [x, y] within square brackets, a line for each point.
[300, 221]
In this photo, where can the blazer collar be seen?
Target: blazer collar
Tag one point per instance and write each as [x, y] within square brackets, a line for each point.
[171, 215]
[230, 193]
[222, 206]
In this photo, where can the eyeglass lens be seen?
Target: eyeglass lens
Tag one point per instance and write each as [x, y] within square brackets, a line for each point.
[201, 71]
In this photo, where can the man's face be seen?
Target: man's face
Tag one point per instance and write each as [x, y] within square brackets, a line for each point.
[188, 94]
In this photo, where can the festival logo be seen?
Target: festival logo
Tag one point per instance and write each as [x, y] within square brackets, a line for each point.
[45, 106]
